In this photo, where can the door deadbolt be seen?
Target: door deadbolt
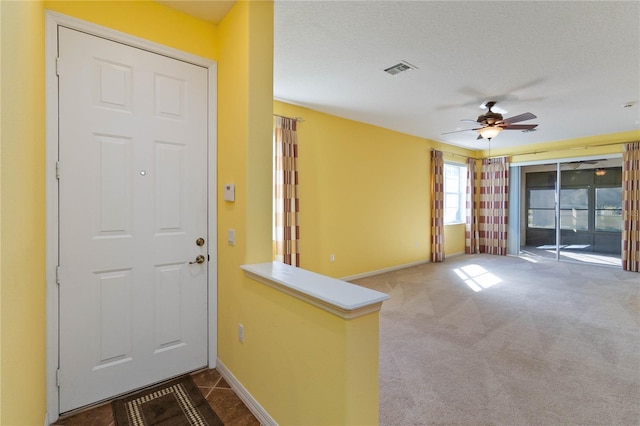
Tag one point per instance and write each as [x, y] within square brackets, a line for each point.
[199, 259]
[200, 242]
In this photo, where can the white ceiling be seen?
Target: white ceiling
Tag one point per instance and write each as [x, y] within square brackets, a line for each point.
[571, 63]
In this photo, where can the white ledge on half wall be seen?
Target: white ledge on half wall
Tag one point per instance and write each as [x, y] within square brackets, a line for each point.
[339, 297]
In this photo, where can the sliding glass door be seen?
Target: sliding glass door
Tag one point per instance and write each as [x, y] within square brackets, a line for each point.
[590, 212]
[570, 210]
[540, 199]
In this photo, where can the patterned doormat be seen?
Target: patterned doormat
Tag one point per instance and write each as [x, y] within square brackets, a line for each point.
[174, 403]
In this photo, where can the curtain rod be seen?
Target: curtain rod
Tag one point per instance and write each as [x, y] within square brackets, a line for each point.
[570, 148]
[298, 119]
[537, 152]
[452, 153]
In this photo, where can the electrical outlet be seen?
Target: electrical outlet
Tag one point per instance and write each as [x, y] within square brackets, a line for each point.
[241, 333]
[332, 258]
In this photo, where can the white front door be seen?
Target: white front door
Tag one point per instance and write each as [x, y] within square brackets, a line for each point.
[132, 206]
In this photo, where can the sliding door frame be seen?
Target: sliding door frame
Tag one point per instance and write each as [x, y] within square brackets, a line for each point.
[517, 208]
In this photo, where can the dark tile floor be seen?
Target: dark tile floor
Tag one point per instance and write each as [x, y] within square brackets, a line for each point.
[224, 401]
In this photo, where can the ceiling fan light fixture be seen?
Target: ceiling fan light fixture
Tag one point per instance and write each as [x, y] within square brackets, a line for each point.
[490, 132]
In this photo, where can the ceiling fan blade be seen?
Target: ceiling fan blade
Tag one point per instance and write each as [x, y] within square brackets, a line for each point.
[520, 127]
[469, 120]
[518, 118]
[591, 161]
[458, 131]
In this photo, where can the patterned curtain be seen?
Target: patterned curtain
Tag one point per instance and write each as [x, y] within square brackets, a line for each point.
[437, 206]
[471, 236]
[286, 203]
[494, 194]
[631, 207]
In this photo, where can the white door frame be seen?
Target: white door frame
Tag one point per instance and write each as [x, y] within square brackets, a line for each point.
[53, 20]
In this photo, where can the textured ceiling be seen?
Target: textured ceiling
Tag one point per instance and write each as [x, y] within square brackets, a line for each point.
[571, 63]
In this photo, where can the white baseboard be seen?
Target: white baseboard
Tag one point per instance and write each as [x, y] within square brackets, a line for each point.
[455, 254]
[254, 406]
[382, 271]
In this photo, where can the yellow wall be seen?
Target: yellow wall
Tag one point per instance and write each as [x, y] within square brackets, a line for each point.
[364, 190]
[305, 365]
[302, 364]
[22, 277]
[237, 125]
[454, 239]
[1, 116]
[364, 194]
[145, 19]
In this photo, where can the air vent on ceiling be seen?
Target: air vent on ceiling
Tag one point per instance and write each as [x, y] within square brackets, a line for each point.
[401, 66]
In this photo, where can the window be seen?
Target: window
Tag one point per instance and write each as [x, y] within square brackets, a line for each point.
[574, 209]
[609, 209]
[455, 188]
[588, 203]
[542, 208]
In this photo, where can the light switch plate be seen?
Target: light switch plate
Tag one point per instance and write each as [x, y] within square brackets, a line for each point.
[229, 192]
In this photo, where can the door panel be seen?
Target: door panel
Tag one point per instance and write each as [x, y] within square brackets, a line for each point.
[133, 201]
[115, 186]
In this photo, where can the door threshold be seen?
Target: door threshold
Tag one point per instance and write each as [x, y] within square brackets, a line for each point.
[109, 400]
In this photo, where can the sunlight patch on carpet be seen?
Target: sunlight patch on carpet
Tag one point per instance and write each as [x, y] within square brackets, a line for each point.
[476, 277]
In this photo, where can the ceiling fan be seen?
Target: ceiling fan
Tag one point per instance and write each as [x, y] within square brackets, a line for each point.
[575, 164]
[492, 123]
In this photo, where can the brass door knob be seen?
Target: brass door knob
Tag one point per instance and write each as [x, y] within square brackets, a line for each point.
[199, 259]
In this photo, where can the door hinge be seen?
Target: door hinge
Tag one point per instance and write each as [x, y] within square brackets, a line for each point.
[58, 380]
[57, 170]
[58, 66]
[58, 274]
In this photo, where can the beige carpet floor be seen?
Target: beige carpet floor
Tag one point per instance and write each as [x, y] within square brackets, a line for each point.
[496, 340]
